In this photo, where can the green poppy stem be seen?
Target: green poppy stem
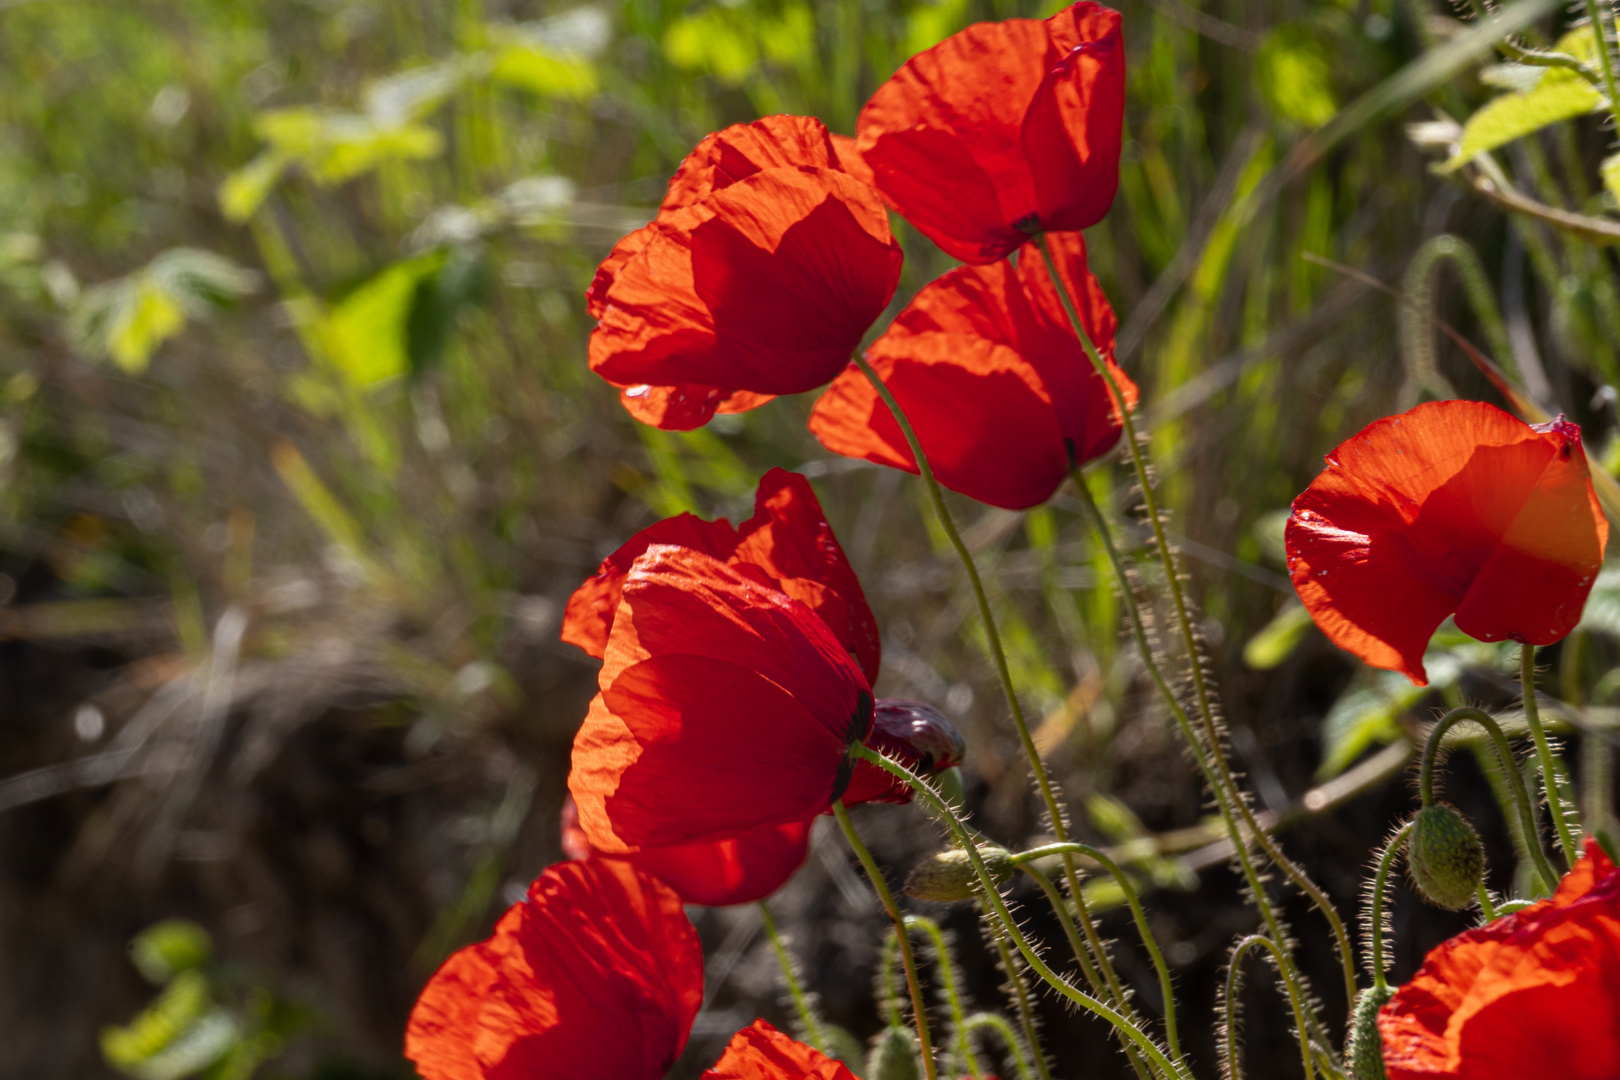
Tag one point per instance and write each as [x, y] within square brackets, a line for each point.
[801, 1003]
[1544, 754]
[1375, 931]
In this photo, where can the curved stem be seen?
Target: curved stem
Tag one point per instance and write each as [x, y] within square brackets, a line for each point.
[1544, 754]
[1510, 767]
[1224, 796]
[1229, 792]
[1234, 979]
[1020, 996]
[1043, 782]
[987, 885]
[1008, 1036]
[1375, 954]
[801, 1004]
[1166, 990]
[925, 1045]
[1059, 908]
[953, 997]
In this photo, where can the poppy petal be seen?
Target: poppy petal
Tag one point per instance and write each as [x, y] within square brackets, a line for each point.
[767, 285]
[686, 407]
[760, 1052]
[1451, 507]
[724, 705]
[1002, 129]
[597, 973]
[741, 150]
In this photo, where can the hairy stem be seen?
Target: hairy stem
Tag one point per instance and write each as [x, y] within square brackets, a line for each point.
[908, 958]
[1544, 754]
[1375, 931]
[953, 996]
[1234, 980]
[1008, 1037]
[1020, 995]
[801, 1003]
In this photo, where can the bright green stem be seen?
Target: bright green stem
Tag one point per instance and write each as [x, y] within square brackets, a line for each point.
[1228, 795]
[1375, 931]
[1234, 980]
[1059, 908]
[1008, 1037]
[1166, 990]
[1486, 907]
[1599, 31]
[1054, 811]
[801, 1003]
[1510, 768]
[1532, 717]
[953, 996]
[908, 959]
[992, 896]
[1020, 995]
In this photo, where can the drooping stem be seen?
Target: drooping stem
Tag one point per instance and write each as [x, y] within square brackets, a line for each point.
[1043, 783]
[998, 906]
[908, 958]
[801, 1003]
[953, 996]
[1234, 980]
[1228, 795]
[1151, 943]
[1375, 931]
[1544, 754]
[1020, 995]
[1510, 767]
[1008, 1037]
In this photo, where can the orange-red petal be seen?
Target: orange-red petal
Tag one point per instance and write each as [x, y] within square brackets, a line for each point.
[1453, 507]
[787, 545]
[597, 973]
[724, 705]
[1534, 995]
[1003, 129]
[760, 1052]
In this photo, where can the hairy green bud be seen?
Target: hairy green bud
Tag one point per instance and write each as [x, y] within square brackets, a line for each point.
[949, 875]
[1364, 1050]
[1445, 857]
[895, 1056]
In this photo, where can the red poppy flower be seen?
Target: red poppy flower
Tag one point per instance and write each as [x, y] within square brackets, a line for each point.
[786, 545]
[1534, 995]
[993, 379]
[597, 973]
[739, 870]
[1003, 130]
[1453, 507]
[724, 706]
[763, 270]
[760, 1052]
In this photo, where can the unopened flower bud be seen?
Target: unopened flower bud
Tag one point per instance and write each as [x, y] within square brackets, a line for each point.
[949, 875]
[895, 1056]
[917, 735]
[1364, 1049]
[1445, 857]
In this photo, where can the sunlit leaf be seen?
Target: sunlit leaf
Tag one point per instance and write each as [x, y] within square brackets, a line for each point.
[789, 38]
[1602, 614]
[169, 947]
[245, 190]
[546, 73]
[1544, 96]
[440, 298]
[335, 146]
[712, 41]
[185, 1000]
[365, 333]
[930, 24]
[1273, 644]
[1610, 171]
[410, 95]
[1366, 715]
[1296, 76]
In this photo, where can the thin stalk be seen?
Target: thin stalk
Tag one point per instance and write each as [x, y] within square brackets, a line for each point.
[891, 1000]
[953, 996]
[1166, 990]
[1008, 1036]
[1234, 978]
[1228, 795]
[1055, 898]
[1043, 782]
[1020, 995]
[1510, 767]
[1544, 754]
[1375, 931]
[1486, 907]
[992, 896]
[1606, 62]
[801, 1003]
[908, 959]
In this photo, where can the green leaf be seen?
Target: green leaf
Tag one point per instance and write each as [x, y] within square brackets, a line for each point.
[1113, 818]
[1366, 714]
[1602, 614]
[408, 96]
[1296, 76]
[1273, 644]
[549, 74]
[170, 947]
[245, 190]
[335, 146]
[1610, 171]
[1544, 96]
[366, 332]
[185, 1000]
[711, 41]
[930, 24]
[438, 302]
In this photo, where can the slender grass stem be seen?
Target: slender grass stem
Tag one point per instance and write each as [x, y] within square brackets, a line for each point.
[1544, 754]
[1510, 767]
[1234, 980]
[908, 958]
[1375, 929]
[801, 1003]
[1043, 782]
[1229, 796]
[965, 839]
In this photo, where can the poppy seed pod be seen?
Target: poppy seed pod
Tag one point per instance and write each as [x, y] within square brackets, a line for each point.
[1445, 857]
[1363, 1051]
[895, 1056]
[947, 876]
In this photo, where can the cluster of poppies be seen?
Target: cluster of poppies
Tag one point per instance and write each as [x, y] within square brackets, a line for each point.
[738, 662]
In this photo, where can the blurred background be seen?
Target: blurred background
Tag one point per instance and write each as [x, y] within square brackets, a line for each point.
[300, 459]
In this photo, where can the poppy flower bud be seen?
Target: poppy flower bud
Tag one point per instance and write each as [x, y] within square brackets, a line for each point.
[1364, 1051]
[949, 875]
[918, 736]
[1446, 859]
[895, 1057]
